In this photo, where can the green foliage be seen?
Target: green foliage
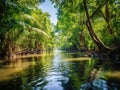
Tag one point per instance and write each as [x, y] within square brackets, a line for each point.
[23, 25]
[104, 17]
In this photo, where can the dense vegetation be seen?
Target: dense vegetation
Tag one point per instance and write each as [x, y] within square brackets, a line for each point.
[82, 24]
[89, 24]
[23, 27]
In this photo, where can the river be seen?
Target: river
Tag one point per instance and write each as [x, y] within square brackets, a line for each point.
[56, 71]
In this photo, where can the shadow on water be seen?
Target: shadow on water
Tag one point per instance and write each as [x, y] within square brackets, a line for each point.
[59, 71]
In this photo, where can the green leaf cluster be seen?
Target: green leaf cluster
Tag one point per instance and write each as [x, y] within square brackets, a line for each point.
[104, 17]
[23, 25]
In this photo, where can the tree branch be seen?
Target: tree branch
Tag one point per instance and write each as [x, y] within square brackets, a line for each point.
[98, 9]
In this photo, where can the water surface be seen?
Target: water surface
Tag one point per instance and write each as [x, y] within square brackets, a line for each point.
[55, 71]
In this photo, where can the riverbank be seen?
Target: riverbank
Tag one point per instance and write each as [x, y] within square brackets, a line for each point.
[26, 56]
[85, 53]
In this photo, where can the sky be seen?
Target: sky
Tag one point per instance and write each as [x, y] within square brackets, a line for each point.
[47, 6]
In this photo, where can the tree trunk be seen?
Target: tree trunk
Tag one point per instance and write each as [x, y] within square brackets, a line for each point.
[102, 47]
[2, 46]
[82, 39]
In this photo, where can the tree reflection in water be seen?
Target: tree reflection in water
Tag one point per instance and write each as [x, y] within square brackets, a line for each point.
[59, 71]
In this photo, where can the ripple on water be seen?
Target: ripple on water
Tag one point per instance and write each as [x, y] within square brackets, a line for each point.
[53, 86]
[55, 81]
[32, 83]
[36, 84]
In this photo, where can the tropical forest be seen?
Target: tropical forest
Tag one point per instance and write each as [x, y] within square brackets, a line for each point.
[59, 44]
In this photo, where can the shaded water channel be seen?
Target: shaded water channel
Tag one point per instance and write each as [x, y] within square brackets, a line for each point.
[56, 71]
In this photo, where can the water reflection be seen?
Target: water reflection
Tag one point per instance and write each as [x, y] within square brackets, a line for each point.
[9, 67]
[55, 77]
[58, 71]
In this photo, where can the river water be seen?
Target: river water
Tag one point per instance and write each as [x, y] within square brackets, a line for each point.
[56, 71]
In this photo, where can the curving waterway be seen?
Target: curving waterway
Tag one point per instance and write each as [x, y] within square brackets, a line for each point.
[57, 71]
